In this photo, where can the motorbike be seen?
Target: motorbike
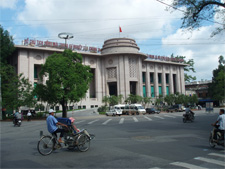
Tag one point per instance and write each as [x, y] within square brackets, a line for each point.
[17, 122]
[219, 141]
[188, 117]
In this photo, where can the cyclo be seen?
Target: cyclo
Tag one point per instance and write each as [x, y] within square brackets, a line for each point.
[47, 144]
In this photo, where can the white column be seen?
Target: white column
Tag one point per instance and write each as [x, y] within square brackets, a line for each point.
[171, 80]
[156, 85]
[163, 81]
[178, 79]
[126, 77]
[147, 81]
[182, 80]
[139, 77]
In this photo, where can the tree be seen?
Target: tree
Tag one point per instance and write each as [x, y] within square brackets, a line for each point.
[146, 100]
[170, 99]
[216, 89]
[134, 99]
[189, 68]
[68, 79]
[15, 90]
[198, 11]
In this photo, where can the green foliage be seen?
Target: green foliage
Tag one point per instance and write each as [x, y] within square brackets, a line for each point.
[68, 79]
[146, 100]
[177, 98]
[102, 109]
[217, 87]
[112, 100]
[16, 89]
[7, 45]
[199, 11]
[189, 68]
[134, 99]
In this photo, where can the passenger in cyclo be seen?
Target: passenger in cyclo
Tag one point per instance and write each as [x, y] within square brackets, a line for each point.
[76, 130]
[52, 123]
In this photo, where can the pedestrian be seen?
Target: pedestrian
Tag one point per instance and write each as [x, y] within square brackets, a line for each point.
[29, 115]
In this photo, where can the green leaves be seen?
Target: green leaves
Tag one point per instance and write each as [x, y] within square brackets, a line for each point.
[68, 79]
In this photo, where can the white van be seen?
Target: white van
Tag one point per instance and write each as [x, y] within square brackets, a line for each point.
[119, 109]
[134, 109]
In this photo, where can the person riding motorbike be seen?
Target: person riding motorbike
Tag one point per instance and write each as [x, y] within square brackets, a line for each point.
[17, 117]
[189, 113]
[219, 125]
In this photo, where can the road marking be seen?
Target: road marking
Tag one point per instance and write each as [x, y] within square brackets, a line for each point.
[169, 116]
[148, 118]
[121, 121]
[159, 117]
[106, 121]
[222, 163]
[155, 168]
[80, 121]
[135, 119]
[218, 155]
[93, 121]
[186, 165]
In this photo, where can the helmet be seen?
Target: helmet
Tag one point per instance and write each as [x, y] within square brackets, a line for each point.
[72, 119]
[51, 111]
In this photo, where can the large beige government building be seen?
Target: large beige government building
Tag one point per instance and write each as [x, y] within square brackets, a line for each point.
[118, 68]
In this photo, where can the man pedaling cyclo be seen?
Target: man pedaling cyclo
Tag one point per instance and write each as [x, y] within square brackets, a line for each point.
[52, 123]
[219, 125]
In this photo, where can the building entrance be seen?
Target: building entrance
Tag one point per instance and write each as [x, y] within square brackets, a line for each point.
[112, 88]
[133, 86]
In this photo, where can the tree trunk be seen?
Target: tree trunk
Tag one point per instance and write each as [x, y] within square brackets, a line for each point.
[64, 107]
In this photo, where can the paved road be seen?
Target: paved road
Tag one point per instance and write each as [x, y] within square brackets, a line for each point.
[150, 141]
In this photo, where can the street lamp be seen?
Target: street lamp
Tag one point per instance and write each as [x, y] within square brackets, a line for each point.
[65, 35]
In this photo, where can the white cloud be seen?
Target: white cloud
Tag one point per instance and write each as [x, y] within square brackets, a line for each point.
[198, 46]
[8, 4]
[93, 21]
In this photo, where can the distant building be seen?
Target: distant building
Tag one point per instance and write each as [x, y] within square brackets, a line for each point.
[118, 68]
[200, 88]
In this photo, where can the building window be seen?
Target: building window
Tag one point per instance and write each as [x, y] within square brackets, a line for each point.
[143, 77]
[112, 73]
[92, 90]
[151, 78]
[35, 72]
[174, 83]
[144, 91]
[167, 78]
[160, 90]
[160, 78]
[152, 91]
[167, 90]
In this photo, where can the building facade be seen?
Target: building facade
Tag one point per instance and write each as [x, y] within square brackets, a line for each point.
[119, 69]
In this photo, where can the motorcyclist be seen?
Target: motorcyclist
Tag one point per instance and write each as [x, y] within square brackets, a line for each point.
[17, 116]
[189, 113]
[219, 125]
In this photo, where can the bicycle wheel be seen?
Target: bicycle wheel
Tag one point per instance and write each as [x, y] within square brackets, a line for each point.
[45, 145]
[83, 142]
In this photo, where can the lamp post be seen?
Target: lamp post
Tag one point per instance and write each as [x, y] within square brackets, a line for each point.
[65, 35]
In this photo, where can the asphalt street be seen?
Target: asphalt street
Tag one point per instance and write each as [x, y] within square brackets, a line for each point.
[143, 141]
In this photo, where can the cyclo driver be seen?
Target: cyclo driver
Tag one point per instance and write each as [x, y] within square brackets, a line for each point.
[219, 125]
[52, 123]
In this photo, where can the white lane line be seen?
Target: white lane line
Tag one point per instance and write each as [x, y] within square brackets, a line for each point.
[135, 119]
[93, 121]
[79, 121]
[208, 160]
[148, 118]
[159, 117]
[155, 168]
[218, 155]
[106, 121]
[186, 165]
[169, 116]
[223, 151]
[121, 121]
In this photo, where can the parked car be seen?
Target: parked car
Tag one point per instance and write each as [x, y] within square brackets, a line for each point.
[176, 108]
[152, 111]
[113, 112]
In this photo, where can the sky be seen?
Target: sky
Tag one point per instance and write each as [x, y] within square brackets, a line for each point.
[156, 30]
